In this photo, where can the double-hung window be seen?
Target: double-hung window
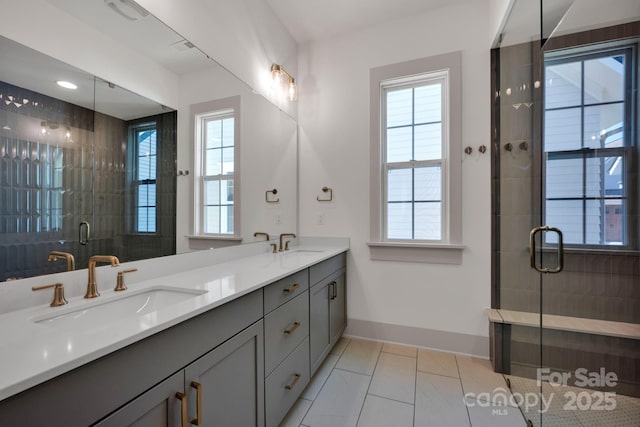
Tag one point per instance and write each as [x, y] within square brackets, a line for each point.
[415, 160]
[588, 147]
[216, 168]
[145, 155]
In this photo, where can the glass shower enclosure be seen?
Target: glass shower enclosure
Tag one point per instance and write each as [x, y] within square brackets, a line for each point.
[566, 241]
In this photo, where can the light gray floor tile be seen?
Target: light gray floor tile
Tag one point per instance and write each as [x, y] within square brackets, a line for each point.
[340, 401]
[436, 362]
[394, 378]
[480, 382]
[296, 414]
[402, 350]
[360, 356]
[625, 414]
[439, 402]
[486, 414]
[379, 412]
[342, 343]
[320, 377]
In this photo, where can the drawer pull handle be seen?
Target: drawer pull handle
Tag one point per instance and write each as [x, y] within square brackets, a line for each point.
[198, 420]
[183, 409]
[294, 382]
[295, 326]
[291, 288]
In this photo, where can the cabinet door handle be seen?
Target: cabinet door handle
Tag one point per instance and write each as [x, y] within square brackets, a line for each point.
[291, 288]
[183, 409]
[334, 292]
[294, 382]
[295, 326]
[198, 420]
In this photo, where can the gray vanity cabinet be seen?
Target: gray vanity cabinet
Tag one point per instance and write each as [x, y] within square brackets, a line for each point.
[327, 309]
[228, 382]
[158, 407]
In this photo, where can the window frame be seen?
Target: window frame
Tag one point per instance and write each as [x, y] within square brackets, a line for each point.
[134, 183]
[449, 249]
[199, 112]
[627, 152]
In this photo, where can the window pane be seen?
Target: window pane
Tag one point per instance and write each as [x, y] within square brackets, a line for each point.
[614, 232]
[147, 167]
[567, 216]
[227, 160]
[614, 176]
[594, 178]
[212, 219]
[226, 191]
[603, 125]
[428, 103]
[594, 217]
[399, 145]
[428, 184]
[399, 107]
[564, 178]
[212, 192]
[428, 221]
[563, 85]
[562, 130]
[213, 133]
[604, 80]
[213, 163]
[226, 220]
[146, 220]
[428, 142]
[228, 132]
[399, 185]
[399, 221]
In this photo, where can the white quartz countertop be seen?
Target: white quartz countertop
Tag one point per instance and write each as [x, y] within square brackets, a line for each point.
[32, 352]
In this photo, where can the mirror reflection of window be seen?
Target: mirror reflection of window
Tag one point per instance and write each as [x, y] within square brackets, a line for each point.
[145, 151]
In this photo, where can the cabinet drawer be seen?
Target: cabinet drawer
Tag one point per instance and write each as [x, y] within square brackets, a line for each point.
[284, 329]
[285, 289]
[325, 268]
[286, 383]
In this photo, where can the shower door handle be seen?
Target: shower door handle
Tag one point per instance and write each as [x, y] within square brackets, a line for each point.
[84, 233]
[532, 250]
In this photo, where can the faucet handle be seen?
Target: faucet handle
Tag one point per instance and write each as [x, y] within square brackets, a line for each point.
[120, 286]
[58, 293]
[275, 248]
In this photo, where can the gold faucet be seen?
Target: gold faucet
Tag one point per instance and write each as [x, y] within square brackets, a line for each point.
[285, 235]
[260, 233]
[71, 263]
[92, 288]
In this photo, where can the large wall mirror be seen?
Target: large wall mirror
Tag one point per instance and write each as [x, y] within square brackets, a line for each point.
[102, 170]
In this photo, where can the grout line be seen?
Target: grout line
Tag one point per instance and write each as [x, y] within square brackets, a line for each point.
[388, 398]
[369, 387]
[353, 372]
[440, 375]
[466, 407]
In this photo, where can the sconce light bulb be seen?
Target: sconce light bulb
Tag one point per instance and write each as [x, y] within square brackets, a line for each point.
[293, 91]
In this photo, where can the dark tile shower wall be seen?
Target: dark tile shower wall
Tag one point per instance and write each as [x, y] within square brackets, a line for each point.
[601, 285]
[86, 176]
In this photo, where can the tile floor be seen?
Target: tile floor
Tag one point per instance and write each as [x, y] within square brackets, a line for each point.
[372, 384]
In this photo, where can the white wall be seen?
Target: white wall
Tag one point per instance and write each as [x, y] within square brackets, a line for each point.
[45, 28]
[245, 36]
[498, 13]
[334, 151]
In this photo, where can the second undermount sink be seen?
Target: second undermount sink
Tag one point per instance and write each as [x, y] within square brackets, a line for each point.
[134, 303]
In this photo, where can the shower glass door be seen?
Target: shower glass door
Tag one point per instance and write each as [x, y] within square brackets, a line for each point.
[566, 260]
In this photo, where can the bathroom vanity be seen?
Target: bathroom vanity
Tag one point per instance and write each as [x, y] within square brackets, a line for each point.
[233, 343]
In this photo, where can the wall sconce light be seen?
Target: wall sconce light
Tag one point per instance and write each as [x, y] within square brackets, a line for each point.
[282, 78]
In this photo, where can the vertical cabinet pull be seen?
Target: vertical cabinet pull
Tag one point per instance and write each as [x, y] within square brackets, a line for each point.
[334, 290]
[291, 288]
[183, 409]
[532, 250]
[198, 420]
[294, 382]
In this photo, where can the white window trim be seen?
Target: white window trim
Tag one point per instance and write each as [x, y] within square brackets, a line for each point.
[449, 249]
[196, 114]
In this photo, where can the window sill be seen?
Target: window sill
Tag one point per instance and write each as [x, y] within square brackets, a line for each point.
[433, 253]
[209, 241]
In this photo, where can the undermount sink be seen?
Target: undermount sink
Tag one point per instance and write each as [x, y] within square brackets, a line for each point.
[135, 303]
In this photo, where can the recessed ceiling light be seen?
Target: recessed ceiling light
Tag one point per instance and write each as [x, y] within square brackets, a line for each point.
[67, 85]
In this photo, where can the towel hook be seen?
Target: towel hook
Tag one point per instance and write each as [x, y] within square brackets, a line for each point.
[326, 190]
[273, 192]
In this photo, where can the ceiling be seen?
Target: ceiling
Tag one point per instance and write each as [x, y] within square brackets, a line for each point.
[308, 20]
